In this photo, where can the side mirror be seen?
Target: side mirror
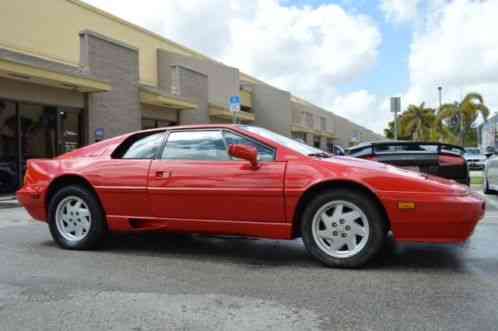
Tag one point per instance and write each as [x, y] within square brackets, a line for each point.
[244, 152]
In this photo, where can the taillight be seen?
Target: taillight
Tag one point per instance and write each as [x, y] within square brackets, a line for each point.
[448, 161]
[371, 158]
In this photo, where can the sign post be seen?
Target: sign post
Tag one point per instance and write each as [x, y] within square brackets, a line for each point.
[395, 108]
[234, 106]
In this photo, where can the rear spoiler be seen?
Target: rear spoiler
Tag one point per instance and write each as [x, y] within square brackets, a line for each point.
[409, 147]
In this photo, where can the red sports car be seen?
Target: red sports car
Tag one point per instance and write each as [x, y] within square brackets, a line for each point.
[247, 181]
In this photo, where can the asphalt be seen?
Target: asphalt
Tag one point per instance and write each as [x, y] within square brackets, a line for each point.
[167, 282]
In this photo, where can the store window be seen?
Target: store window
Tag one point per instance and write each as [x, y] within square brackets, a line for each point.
[8, 147]
[29, 131]
[330, 146]
[317, 141]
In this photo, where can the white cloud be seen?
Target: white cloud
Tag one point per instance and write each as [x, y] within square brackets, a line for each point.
[457, 49]
[364, 108]
[306, 50]
[400, 11]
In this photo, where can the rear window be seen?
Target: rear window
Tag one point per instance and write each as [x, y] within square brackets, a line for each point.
[142, 146]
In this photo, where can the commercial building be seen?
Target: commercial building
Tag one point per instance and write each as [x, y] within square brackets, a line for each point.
[71, 74]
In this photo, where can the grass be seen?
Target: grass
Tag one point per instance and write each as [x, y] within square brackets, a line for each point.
[476, 180]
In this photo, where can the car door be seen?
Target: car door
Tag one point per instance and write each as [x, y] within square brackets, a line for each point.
[122, 180]
[195, 179]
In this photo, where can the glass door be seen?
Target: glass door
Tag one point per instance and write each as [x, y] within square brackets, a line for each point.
[9, 147]
[30, 131]
[70, 130]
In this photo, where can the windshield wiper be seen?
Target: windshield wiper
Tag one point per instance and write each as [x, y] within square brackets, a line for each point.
[322, 154]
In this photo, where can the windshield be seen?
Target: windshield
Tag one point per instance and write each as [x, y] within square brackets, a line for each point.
[472, 151]
[283, 140]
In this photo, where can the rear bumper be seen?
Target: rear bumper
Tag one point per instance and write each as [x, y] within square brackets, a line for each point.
[443, 219]
[32, 199]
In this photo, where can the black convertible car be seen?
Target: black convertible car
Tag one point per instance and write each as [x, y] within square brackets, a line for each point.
[437, 159]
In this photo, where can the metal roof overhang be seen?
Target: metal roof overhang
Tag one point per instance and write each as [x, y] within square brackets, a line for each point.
[162, 100]
[43, 76]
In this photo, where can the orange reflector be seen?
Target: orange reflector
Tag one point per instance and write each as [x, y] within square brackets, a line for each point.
[406, 205]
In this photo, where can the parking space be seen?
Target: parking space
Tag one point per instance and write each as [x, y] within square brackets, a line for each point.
[210, 283]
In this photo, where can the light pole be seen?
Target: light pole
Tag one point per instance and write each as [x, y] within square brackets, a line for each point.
[440, 92]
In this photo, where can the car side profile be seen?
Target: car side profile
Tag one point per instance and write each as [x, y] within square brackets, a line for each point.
[247, 181]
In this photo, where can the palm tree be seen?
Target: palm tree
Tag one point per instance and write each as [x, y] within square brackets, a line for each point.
[460, 116]
[417, 122]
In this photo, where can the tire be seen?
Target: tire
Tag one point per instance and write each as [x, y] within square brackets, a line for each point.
[81, 228]
[486, 188]
[343, 228]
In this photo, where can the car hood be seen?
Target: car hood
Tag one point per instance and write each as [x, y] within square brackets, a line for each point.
[384, 177]
[475, 157]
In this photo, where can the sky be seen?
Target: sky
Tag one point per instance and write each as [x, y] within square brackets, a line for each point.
[347, 56]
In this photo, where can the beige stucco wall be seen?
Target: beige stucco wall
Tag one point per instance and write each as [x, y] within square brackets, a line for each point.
[50, 29]
[21, 91]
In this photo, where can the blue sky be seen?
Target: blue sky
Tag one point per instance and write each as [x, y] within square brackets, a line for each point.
[346, 56]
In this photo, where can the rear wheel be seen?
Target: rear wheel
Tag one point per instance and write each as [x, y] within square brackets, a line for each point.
[75, 218]
[343, 228]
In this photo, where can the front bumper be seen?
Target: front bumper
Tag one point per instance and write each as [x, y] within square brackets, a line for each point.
[436, 219]
[476, 165]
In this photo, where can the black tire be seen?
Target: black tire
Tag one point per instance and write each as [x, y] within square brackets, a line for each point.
[98, 225]
[486, 187]
[377, 224]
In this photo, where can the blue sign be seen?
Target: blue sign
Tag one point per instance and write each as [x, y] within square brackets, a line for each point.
[234, 103]
[99, 133]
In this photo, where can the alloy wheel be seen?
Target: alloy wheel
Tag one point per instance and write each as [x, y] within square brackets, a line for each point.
[340, 229]
[73, 218]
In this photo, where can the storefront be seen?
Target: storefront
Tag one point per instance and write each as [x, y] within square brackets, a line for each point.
[30, 130]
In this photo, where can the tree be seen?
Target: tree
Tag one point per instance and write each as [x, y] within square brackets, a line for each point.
[389, 131]
[459, 117]
[417, 122]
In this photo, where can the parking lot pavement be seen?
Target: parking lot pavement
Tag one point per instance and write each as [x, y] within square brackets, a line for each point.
[156, 282]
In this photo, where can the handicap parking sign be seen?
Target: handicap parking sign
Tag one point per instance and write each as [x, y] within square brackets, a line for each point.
[234, 103]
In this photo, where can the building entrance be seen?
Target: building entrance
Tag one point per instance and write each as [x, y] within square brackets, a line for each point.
[33, 131]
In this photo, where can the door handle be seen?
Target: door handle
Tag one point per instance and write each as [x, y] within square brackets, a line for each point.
[163, 174]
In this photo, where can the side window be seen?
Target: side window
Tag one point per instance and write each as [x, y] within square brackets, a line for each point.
[140, 147]
[195, 145]
[264, 153]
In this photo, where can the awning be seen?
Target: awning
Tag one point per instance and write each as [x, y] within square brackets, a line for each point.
[156, 97]
[224, 113]
[44, 76]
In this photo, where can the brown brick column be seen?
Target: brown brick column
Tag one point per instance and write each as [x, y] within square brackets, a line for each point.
[117, 111]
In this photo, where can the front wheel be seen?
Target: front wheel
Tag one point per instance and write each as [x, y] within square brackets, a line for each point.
[75, 218]
[343, 228]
